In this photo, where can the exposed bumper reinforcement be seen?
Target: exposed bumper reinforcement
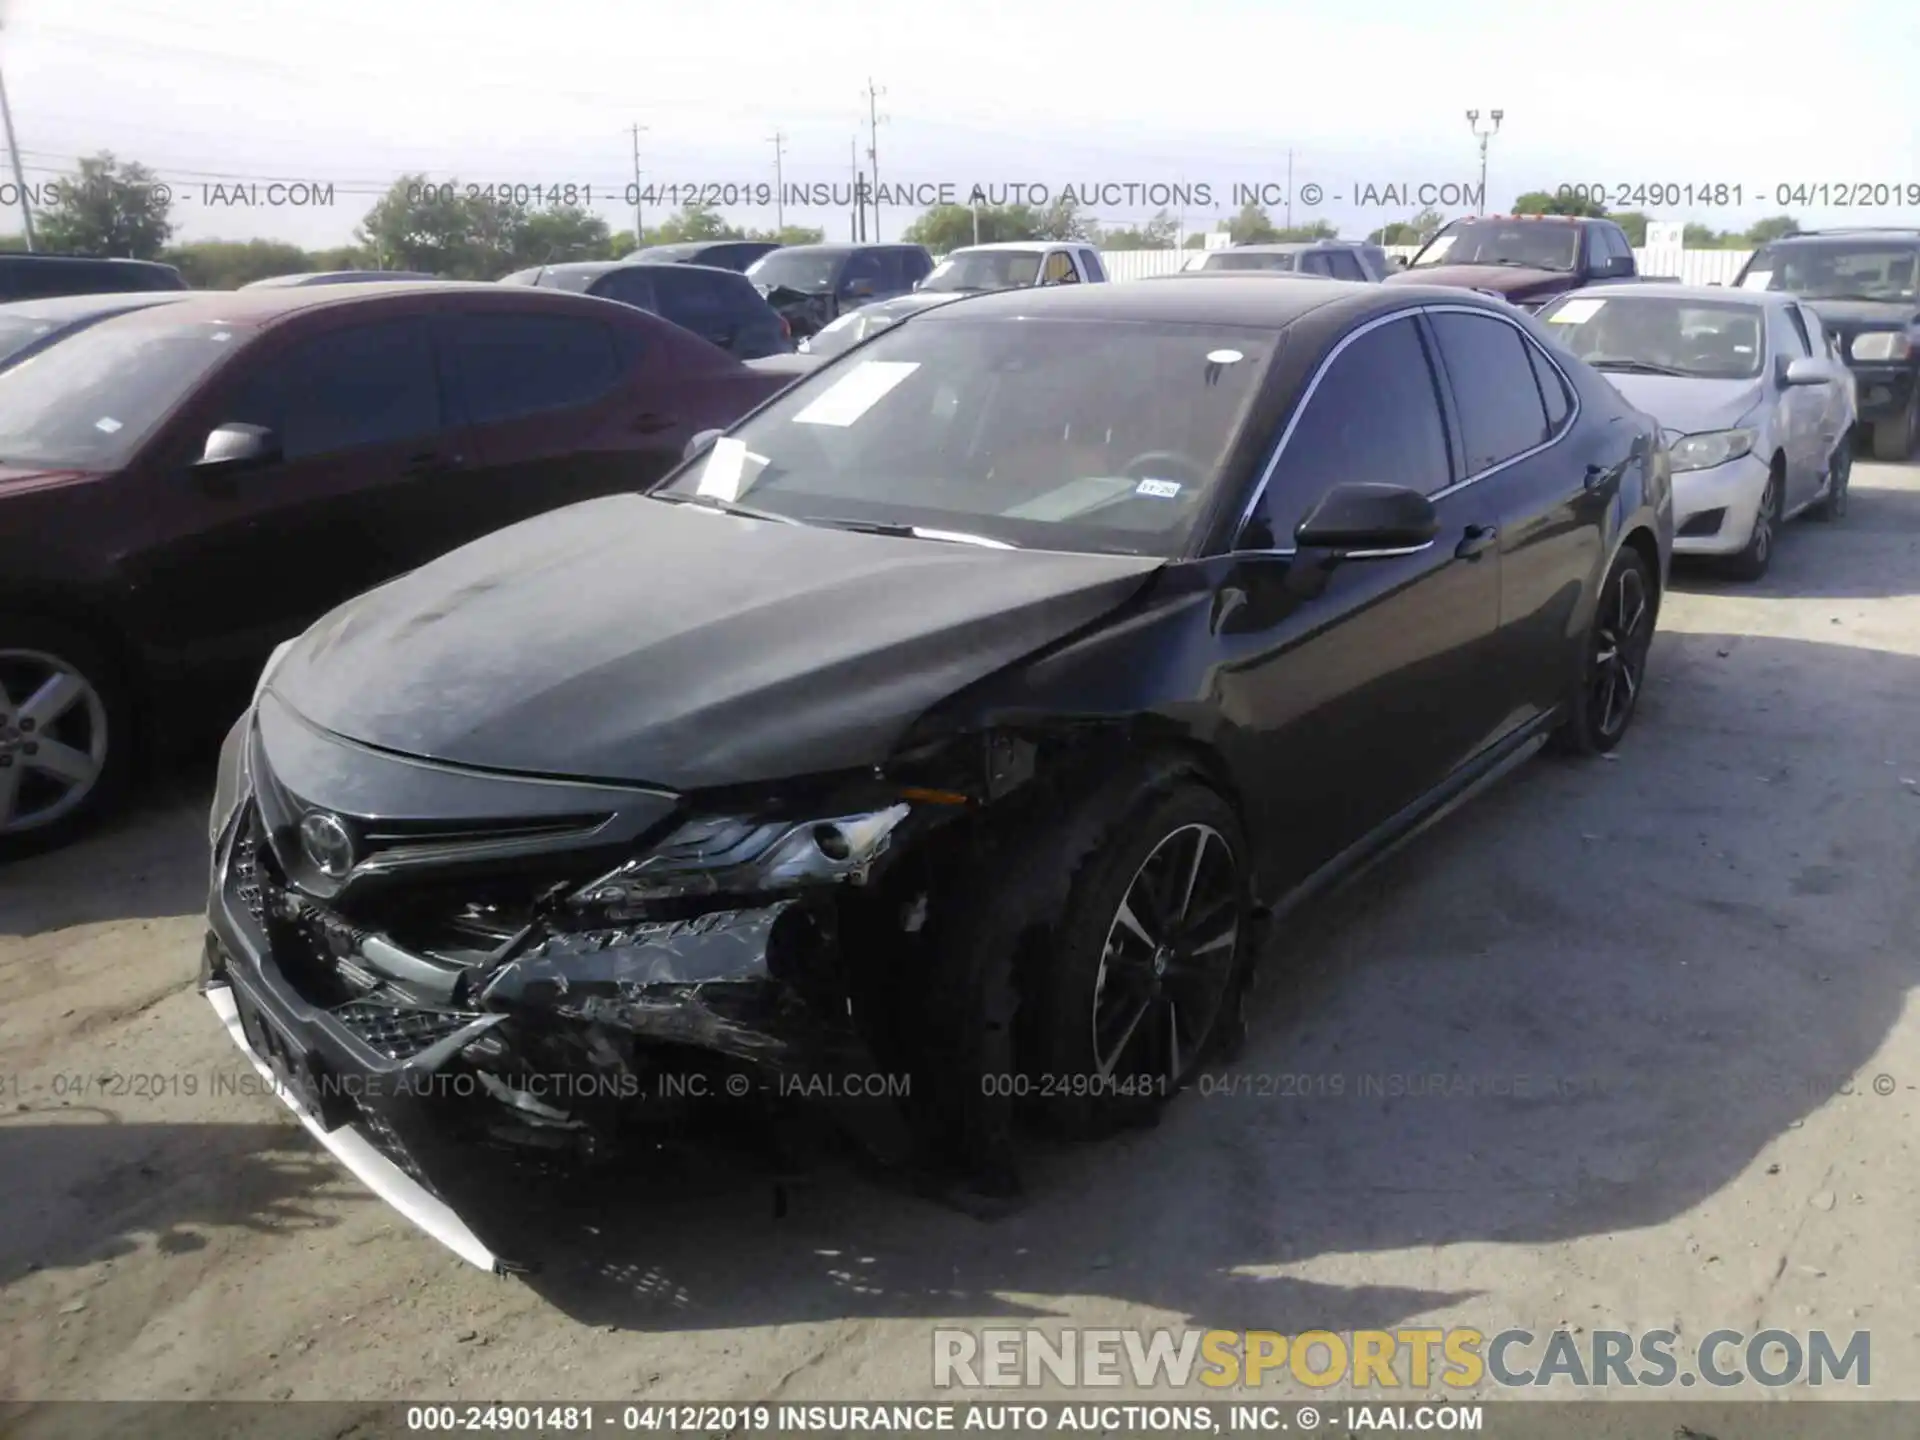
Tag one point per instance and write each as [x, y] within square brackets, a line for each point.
[358, 1154]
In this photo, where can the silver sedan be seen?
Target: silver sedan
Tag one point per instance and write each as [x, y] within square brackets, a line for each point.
[1757, 412]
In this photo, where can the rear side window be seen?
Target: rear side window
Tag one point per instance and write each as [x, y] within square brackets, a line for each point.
[1090, 262]
[362, 385]
[630, 287]
[509, 366]
[1344, 266]
[691, 298]
[1553, 389]
[915, 265]
[1501, 412]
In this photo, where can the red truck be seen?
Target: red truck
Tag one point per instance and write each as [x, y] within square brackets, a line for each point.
[1527, 259]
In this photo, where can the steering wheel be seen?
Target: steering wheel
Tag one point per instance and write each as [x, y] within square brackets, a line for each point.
[1185, 468]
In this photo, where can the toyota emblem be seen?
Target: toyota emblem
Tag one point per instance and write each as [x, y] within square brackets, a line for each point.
[328, 846]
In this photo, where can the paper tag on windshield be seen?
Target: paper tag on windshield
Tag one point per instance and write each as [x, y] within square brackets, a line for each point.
[1164, 489]
[725, 469]
[1576, 312]
[107, 424]
[1758, 280]
[856, 392]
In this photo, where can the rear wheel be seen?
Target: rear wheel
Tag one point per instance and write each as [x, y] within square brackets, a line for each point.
[1893, 439]
[1833, 505]
[65, 743]
[1145, 961]
[1615, 667]
[1753, 561]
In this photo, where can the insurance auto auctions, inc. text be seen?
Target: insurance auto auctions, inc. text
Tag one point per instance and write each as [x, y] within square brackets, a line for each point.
[1456, 1359]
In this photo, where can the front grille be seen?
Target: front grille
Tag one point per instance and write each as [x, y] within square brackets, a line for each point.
[384, 1139]
[401, 1032]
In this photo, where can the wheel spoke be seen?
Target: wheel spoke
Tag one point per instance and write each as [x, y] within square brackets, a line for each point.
[1200, 839]
[76, 767]
[1173, 1043]
[1126, 1038]
[57, 694]
[1219, 942]
[1130, 922]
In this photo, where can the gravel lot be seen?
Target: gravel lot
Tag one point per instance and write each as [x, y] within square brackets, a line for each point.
[1698, 942]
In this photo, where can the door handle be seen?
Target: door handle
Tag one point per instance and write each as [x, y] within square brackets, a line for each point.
[652, 423]
[1598, 475]
[431, 462]
[1477, 539]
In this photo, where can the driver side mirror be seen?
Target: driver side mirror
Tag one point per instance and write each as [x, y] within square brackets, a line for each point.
[1364, 521]
[704, 440]
[232, 448]
[1803, 370]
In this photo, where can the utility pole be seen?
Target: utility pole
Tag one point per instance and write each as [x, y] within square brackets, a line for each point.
[779, 140]
[874, 117]
[1289, 189]
[1473, 123]
[639, 230]
[19, 178]
[856, 202]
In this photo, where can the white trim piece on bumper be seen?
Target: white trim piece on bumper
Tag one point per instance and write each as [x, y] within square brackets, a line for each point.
[368, 1165]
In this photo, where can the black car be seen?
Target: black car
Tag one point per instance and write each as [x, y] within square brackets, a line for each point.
[722, 254]
[967, 712]
[720, 306]
[28, 326]
[813, 285]
[1865, 287]
[339, 277]
[1335, 259]
[38, 276]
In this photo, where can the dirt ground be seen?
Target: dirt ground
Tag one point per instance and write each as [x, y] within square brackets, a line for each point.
[1697, 959]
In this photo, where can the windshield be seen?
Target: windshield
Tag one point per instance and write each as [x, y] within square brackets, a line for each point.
[1056, 434]
[1652, 336]
[796, 270]
[1228, 260]
[1825, 271]
[848, 331]
[984, 270]
[90, 400]
[1537, 244]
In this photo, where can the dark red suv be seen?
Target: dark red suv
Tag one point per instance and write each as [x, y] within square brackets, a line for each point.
[184, 486]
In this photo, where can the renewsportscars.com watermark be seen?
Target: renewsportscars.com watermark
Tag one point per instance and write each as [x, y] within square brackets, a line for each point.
[1417, 1359]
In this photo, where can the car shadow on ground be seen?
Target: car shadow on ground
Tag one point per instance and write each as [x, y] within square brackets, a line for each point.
[1583, 1005]
[87, 1187]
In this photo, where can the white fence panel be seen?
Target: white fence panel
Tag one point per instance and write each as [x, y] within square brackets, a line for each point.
[1695, 267]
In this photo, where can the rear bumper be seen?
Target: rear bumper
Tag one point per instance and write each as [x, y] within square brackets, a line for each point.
[1734, 489]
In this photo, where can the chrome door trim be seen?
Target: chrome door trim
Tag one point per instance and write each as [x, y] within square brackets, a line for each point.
[1313, 385]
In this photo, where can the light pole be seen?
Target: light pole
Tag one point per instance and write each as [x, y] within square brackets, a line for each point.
[874, 119]
[1473, 124]
[19, 178]
[779, 182]
[639, 231]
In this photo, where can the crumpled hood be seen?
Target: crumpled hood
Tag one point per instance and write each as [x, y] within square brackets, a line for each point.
[1512, 281]
[630, 639]
[1689, 406]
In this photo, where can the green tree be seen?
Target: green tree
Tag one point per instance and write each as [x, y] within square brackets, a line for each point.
[558, 234]
[340, 257]
[1195, 241]
[12, 243]
[949, 227]
[229, 264]
[1540, 202]
[1162, 232]
[1318, 230]
[1063, 219]
[1778, 227]
[109, 208]
[694, 222]
[790, 235]
[1252, 226]
[622, 245]
[1417, 231]
[1635, 224]
[423, 225]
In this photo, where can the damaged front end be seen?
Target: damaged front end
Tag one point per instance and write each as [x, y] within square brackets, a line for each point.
[423, 959]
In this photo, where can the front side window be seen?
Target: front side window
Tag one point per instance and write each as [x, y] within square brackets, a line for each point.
[1060, 434]
[362, 385]
[1651, 335]
[1826, 270]
[508, 366]
[1526, 244]
[1090, 262]
[1374, 419]
[91, 400]
[1060, 269]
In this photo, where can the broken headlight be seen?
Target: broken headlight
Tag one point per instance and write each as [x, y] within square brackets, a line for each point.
[735, 855]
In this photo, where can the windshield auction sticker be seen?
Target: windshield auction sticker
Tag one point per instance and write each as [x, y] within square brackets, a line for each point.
[862, 388]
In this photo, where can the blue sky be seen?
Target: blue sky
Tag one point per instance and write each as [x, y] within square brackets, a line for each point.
[353, 93]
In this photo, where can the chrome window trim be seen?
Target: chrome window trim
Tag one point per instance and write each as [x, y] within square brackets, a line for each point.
[1313, 385]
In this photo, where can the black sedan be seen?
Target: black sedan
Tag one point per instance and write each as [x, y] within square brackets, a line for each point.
[967, 713]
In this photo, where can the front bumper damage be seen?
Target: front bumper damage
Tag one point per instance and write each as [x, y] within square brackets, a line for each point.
[538, 1041]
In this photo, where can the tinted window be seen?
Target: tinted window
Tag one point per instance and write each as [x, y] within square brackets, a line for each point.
[1344, 266]
[1553, 388]
[1800, 329]
[364, 385]
[1240, 260]
[864, 265]
[690, 298]
[1833, 270]
[1501, 413]
[917, 265]
[1315, 264]
[1374, 418]
[513, 365]
[630, 286]
[1090, 262]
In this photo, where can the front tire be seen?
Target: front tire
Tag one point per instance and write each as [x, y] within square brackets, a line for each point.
[66, 744]
[1146, 961]
[1614, 669]
[1833, 505]
[1753, 561]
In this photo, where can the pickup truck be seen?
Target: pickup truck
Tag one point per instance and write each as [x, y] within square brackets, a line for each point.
[1526, 259]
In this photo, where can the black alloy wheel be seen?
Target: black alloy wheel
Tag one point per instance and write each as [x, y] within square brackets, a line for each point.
[1615, 671]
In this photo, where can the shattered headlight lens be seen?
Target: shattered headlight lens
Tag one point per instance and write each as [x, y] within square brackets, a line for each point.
[733, 855]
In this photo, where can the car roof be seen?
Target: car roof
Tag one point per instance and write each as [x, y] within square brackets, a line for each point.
[247, 308]
[1291, 247]
[603, 267]
[78, 307]
[1229, 299]
[41, 257]
[1892, 233]
[846, 247]
[334, 277]
[1673, 290]
[1022, 245]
